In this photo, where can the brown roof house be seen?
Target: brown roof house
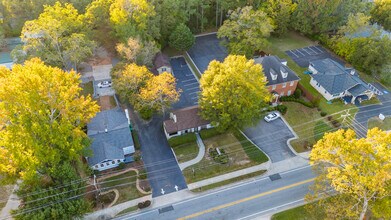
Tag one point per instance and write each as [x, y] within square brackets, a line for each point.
[162, 63]
[185, 120]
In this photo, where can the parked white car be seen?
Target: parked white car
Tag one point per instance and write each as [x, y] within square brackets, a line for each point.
[104, 84]
[272, 116]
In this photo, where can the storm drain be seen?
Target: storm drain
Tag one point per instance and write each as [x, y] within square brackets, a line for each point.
[166, 209]
[275, 177]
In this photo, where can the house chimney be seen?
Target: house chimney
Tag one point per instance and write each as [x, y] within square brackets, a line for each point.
[284, 72]
[173, 117]
[352, 72]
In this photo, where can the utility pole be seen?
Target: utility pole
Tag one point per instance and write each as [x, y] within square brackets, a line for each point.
[345, 116]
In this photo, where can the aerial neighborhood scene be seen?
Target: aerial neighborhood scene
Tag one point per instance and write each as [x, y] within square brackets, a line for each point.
[195, 109]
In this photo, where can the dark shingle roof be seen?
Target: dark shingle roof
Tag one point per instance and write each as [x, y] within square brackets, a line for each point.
[161, 60]
[357, 90]
[110, 144]
[335, 78]
[186, 118]
[273, 64]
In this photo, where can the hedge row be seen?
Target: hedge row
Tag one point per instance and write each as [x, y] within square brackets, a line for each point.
[293, 99]
[183, 139]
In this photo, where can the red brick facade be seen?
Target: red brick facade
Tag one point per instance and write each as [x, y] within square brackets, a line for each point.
[284, 89]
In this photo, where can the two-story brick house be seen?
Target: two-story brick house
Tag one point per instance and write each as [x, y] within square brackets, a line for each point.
[282, 81]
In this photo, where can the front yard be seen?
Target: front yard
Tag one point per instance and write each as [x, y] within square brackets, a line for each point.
[185, 147]
[236, 153]
[383, 125]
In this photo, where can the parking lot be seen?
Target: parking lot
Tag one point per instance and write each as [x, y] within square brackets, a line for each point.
[271, 138]
[206, 49]
[304, 55]
[186, 81]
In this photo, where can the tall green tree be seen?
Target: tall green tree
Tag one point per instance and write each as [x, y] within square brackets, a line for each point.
[131, 18]
[58, 37]
[359, 170]
[381, 13]
[182, 39]
[233, 92]
[280, 12]
[42, 121]
[246, 31]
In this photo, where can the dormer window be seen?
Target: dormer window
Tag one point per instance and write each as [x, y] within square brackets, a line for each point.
[284, 72]
[273, 74]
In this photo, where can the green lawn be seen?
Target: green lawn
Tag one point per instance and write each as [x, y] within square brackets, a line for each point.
[298, 213]
[372, 101]
[184, 146]
[125, 184]
[130, 209]
[88, 89]
[192, 66]
[229, 181]
[238, 158]
[383, 125]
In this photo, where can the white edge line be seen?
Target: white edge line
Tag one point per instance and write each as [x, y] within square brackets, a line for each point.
[191, 69]
[274, 208]
[206, 34]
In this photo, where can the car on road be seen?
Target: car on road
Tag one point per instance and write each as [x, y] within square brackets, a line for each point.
[104, 84]
[272, 116]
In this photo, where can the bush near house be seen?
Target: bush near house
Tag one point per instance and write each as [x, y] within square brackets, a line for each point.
[281, 108]
[183, 139]
[294, 99]
[205, 134]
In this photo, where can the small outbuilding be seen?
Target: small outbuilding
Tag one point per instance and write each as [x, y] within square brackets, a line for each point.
[162, 63]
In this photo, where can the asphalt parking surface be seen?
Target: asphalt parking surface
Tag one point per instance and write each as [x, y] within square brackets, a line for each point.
[187, 82]
[303, 56]
[271, 138]
[206, 49]
[103, 91]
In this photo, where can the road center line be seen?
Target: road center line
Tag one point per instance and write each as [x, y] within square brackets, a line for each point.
[245, 199]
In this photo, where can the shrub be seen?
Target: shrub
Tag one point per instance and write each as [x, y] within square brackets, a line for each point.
[136, 140]
[142, 175]
[121, 166]
[293, 99]
[222, 158]
[205, 134]
[147, 203]
[329, 117]
[282, 109]
[323, 114]
[335, 123]
[137, 157]
[146, 113]
[183, 139]
[315, 102]
[297, 93]
[144, 204]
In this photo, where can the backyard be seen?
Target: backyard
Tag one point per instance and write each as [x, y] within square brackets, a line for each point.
[107, 103]
[236, 153]
[87, 89]
[383, 125]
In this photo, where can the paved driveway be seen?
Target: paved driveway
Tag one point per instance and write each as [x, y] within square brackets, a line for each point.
[187, 82]
[206, 49]
[271, 138]
[162, 169]
[109, 91]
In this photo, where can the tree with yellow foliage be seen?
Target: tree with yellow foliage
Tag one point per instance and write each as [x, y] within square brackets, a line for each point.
[356, 171]
[233, 92]
[159, 92]
[42, 115]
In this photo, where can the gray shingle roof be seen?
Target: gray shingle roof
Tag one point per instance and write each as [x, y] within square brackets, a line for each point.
[110, 144]
[357, 90]
[273, 64]
[335, 78]
[109, 119]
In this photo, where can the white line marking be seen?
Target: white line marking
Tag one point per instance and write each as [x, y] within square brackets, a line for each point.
[293, 53]
[319, 49]
[189, 75]
[272, 209]
[191, 84]
[312, 50]
[188, 80]
[304, 49]
[192, 88]
[300, 52]
[195, 97]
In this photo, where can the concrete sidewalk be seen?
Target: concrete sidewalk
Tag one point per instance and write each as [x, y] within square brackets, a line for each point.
[201, 154]
[114, 210]
[12, 203]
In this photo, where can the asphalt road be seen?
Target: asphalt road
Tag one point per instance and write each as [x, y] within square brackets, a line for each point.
[360, 123]
[162, 169]
[243, 201]
[271, 138]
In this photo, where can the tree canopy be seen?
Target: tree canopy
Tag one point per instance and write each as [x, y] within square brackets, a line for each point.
[58, 37]
[381, 13]
[182, 39]
[246, 31]
[359, 170]
[41, 121]
[233, 92]
[137, 51]
[280, 12]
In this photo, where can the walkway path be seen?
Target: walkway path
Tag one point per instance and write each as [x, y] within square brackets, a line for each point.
[201, 154]
[12, 203]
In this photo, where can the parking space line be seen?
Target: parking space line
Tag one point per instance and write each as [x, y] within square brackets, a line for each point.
[301, 52]
[192, 88]
[319, 49]
[188, 80]
[312, 50]
[293, 53]
[189, 75]
[305, 49]
[191, 84]
[194, 97]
